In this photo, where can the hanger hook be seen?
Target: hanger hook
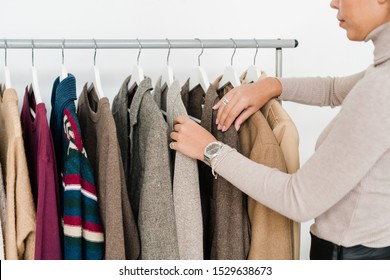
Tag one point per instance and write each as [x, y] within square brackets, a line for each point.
[32, 52]
[235, 47]
[201, 51]
[257, 49]
[94, 56]
[5, 53]
[63, 53]
[139, 50]
[169, 50]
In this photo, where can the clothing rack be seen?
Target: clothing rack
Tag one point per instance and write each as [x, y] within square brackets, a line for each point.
[277, 44]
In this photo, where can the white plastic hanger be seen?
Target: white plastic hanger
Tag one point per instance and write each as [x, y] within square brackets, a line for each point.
[64, 72]
[167, 74]
[6, 70]
[35, 85]
[198, 75]
[253, 73]
[137, 75]
[230, 74]
[97, 80]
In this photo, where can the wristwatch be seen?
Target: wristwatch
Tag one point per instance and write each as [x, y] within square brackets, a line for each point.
[211, 151]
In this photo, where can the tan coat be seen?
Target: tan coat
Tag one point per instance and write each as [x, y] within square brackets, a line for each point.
[270, 231]
[2, 214]
[286, 134]
[20, 210]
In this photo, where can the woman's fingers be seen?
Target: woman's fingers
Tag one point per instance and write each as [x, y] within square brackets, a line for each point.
[227, 102]
[189, 138]
[243, 117]
[228, 116]
[180, 120]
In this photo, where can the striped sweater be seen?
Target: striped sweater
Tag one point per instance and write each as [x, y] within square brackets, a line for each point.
[83, 230]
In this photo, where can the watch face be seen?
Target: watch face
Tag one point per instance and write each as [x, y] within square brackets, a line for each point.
[212, 149]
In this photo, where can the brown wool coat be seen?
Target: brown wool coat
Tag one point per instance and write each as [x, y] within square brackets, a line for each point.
[101, 143]
[228, 207]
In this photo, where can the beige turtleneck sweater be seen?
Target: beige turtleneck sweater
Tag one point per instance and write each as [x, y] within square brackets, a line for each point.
[345, 184]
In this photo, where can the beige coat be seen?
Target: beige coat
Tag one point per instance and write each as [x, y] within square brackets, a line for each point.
[286, 134]
[2, 214]
[270, 231]
[20, 210]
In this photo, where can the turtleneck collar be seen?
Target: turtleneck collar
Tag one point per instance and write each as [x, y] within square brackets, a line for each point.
[380, 37]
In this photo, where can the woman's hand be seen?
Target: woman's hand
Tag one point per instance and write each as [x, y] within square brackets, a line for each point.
[243, 101]
[190, 138]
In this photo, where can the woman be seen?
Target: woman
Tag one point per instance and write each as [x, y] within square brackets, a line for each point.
[345, 185]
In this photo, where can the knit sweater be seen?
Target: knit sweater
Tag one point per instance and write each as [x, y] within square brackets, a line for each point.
[345, 184]
[20, 211]
[83, 230]
[101, 143]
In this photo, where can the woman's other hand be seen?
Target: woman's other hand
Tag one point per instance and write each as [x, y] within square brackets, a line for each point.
[243, 101]
[190, 138]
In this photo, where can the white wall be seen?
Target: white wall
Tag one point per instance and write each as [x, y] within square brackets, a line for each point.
[323, 47]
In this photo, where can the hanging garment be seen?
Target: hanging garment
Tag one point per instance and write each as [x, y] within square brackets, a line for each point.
[120, 112]
[186, 194]
[194, 101]
[150, 180]
[228, 235]
[2, 209]
[42, 168]
[101, 143]
[20, 211]
[82, 226]
[2, 197]
[287, 136]
[271, 233]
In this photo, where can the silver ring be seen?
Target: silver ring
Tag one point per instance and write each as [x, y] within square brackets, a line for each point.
[171, 145]
[225, 101]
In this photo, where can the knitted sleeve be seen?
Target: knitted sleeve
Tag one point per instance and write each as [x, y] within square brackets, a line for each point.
[320, 91]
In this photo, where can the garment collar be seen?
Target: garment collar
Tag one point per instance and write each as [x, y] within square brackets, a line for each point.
[145, 87]
[380, 37]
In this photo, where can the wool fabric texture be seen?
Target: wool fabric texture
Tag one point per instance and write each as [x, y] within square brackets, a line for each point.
[186, 193]
[101, 143]
[150, 177]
